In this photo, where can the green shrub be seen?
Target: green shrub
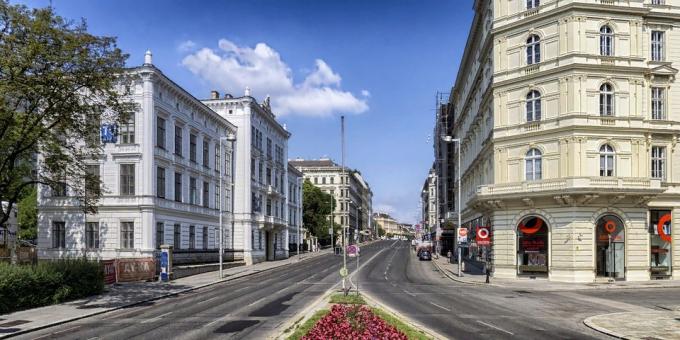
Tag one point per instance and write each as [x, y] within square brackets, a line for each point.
[29, 286]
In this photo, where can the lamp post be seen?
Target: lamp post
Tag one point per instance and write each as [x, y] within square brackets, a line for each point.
[450, 139]
[230, 138]
[299, 221]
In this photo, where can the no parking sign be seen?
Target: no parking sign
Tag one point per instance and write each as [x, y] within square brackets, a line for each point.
[483, 236]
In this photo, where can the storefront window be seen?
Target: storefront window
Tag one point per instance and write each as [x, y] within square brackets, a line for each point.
[611, 247]
[532, 246]
[660, 237]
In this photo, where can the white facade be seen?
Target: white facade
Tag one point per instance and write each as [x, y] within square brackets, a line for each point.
[160, 182]
[260, 212]
[567, 118]
[296, 233]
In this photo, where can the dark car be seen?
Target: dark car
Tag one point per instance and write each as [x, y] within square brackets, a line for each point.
[425, 255]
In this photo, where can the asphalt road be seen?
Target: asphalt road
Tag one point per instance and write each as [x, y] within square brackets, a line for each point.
[458, 311]
[246, 308]
[253, 307]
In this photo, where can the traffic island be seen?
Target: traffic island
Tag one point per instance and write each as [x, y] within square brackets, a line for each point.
[349, 317]
[638, 325]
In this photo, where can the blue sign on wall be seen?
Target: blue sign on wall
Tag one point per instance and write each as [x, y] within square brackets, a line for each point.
[164, 267]
[109, 133]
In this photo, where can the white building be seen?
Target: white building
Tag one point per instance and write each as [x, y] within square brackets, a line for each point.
[296, 232]
[567, 116]
[160, 182]
[260, 212]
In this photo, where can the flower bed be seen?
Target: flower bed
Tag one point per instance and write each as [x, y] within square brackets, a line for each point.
[352, 322]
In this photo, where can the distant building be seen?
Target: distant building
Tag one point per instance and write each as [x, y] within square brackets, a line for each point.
[388, 224]
[296, 232]
[352, 193]
[9, 229]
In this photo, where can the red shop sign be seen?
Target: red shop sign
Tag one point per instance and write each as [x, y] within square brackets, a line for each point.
[109, 271]
[533, 244]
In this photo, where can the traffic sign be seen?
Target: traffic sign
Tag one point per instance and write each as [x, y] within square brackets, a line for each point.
[462, 235]
[343, 272]
[351, 250]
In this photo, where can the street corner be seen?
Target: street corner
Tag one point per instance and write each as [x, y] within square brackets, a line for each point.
[638, 325]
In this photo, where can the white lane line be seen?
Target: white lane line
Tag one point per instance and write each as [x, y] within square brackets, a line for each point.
[240, 289]
[212, 298]
[442, 307]
[256, 301]
[495, 327]
[409, 293]
[156, 318]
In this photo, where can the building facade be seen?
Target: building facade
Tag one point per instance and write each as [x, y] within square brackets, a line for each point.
[160, 183]
[261, 177]
[352, 193]
[567, 117]
[296, 231]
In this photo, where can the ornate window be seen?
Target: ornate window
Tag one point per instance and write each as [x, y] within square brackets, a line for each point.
[533, 50]
[533, 165]
[658, 100]
[606, 41]
[659, 162]
[533, 106]
[607, 160]
[606, 100]
[657, 46]
[533, 3]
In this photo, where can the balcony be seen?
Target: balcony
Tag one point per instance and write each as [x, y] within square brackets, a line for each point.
[592, 184]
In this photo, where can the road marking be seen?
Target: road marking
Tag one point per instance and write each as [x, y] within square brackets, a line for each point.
[240, 289]
[495, 327]
[409, 293]
[156, 318]
[53, 333]
[442, 307]
[212, 298]
[256, 301]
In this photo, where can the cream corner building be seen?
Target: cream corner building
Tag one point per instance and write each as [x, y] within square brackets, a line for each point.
[568, 116]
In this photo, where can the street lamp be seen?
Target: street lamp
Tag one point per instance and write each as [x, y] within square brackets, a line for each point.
[230, 138]
[299, 220]
[449, 139]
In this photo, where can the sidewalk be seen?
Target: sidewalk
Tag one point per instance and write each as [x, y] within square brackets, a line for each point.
[474, 275]
[638, 325]
[125, 295]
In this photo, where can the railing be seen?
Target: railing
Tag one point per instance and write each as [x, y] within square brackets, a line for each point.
[559, 184]
[608, 2]
[530, 12]
[531, 69]
[607, 121]
[532, 126]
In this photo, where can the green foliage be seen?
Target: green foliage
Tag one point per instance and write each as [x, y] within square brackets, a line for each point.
[381, 231]
[349, 299]
[411, 333]
[28, 216]
[57, 83]
[316, 208]
[303, 329]
[27, 286]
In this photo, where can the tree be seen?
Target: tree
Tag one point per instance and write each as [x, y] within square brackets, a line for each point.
[316, 207]
[28, 216]
[58, 83]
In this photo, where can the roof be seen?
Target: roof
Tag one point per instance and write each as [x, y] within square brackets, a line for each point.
[312, 163]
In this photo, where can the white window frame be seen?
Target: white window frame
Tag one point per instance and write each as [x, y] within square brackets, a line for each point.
[658, 164]
[533, 49]
[533, 160]
[531, 4]
[657, 45]
[607, 161]
[607, 102]
[533, 106]
[658, 103]
[606, 41]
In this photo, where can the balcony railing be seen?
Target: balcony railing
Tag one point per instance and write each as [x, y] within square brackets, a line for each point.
[559, 184]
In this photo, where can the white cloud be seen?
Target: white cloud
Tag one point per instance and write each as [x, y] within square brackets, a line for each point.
[186, 46]
[233, 68]
[384, 208]
[365, 93]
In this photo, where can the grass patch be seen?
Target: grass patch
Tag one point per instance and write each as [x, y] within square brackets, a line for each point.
[350, 299]
[303, 329]
[410, 332]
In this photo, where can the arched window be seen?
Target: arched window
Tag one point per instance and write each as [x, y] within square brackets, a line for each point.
[533, 106]
[606, 41]
[606, 100]
[533, 165]
[532, 246]
[606, 160]
[533, 50]
[533, 3]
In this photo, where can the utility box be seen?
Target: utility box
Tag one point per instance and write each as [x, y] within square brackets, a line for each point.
[166, 263]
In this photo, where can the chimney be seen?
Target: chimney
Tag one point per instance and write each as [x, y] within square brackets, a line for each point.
[214, 94]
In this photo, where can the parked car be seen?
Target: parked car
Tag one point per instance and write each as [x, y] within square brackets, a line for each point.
[425, 255]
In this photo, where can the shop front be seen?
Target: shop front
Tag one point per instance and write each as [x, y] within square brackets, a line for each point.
[661, 244]
[532, 247]
[610, 249]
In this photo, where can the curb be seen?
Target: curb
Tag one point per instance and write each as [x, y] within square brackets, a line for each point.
[454, 278]
[590, 324]
[373, 301]
[132, 304]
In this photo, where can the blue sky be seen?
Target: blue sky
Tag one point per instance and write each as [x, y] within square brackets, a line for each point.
[378, 62]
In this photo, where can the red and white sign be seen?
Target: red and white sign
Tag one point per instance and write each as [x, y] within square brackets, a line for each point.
[483, 236]
[462, 235]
